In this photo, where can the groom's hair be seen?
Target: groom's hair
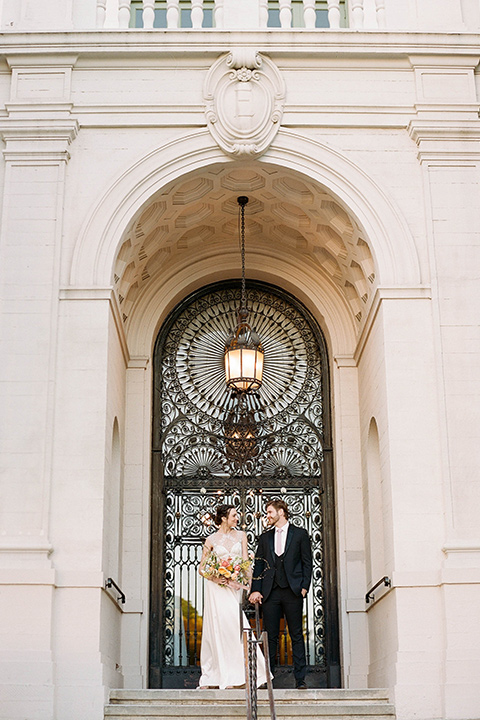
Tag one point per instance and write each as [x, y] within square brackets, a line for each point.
[278, 505]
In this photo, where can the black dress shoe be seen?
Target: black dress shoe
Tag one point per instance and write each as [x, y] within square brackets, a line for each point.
[301, 685]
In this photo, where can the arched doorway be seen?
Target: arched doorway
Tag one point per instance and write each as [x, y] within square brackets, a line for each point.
[194, 467]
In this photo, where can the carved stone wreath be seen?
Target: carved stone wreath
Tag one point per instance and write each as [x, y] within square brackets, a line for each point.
[244, 96]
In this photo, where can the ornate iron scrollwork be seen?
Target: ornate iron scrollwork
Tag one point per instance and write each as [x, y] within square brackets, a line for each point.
[196, 403]
[284, 427]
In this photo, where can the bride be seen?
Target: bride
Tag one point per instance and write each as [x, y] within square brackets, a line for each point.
[221, 654]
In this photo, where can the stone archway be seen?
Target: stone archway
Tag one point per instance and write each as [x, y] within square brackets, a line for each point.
[110, 245]
[386, 233]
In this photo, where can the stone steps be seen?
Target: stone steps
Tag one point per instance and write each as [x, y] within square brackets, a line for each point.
[228, 704]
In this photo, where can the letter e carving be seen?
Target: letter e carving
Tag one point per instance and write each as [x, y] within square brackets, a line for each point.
[244, 96]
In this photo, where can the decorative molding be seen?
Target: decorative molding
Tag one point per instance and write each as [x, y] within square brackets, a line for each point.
[244, 96]
[462, 547]
[25, 544]
[388, 293]
[92, 293]
[101, 293]
[345, 361]
[446, 141]
[38, 141]
[138, 363]
[39, 60]
[176, 43]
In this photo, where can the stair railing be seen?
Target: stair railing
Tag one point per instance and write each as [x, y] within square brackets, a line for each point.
[250, 643]
[384, 581]
[111, 583]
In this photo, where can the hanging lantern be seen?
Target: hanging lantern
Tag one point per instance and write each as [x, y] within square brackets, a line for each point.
[243, 349]
[243, 358]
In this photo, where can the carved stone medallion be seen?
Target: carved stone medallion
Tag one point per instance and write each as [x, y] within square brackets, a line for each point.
[244, 97]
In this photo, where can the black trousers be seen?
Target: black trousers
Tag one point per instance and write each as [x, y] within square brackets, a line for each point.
[280, 602]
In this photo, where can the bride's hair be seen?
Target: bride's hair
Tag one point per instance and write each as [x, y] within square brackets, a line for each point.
[222, 511]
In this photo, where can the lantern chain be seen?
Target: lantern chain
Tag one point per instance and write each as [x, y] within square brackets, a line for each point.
[242, 201]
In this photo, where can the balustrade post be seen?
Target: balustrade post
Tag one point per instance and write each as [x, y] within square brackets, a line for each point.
[357, 14]
[218, 14]
[101, 13]
[111, 13]
[148, 14]
[197, 14]
[263, 13]
[285, 13]
[381, 13]
[173, 13]
[334, 13]
[309, 15]
[124, 13]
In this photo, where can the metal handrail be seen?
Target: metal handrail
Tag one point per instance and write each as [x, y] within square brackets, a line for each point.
[250, 642]
[384, 581]
[111, 583]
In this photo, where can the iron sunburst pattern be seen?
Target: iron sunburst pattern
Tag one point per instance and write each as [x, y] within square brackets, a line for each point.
[287, 410]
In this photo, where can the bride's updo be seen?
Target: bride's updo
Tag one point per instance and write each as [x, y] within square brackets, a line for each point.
[221, 512]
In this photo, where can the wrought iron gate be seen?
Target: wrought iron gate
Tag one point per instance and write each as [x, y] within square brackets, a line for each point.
[193, 469]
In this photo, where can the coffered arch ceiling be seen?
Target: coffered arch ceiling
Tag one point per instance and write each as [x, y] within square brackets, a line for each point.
[287, 214]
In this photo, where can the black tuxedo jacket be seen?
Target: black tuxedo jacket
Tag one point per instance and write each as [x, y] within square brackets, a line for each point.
[297, 561]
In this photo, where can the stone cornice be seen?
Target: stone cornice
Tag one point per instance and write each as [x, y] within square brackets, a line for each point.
[211, 43]
[441, 141]
[421, 129]
[41, 141]
[39, 129]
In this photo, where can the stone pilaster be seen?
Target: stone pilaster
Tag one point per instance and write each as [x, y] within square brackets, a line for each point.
[37, 133]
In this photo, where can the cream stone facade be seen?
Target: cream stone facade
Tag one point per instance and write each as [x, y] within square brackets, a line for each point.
[124, 150]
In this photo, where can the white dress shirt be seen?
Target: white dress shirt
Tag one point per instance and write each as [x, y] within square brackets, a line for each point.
[281, 539]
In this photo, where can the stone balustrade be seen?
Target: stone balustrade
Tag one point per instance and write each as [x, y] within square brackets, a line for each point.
[352, 15]
[253, 14]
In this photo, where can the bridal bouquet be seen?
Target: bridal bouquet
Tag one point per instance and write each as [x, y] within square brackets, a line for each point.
[234, 569]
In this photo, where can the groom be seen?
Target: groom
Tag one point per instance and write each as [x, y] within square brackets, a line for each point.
[283, 567]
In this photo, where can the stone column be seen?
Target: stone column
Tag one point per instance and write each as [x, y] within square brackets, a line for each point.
[403, 497]
[37, 133]
[446, 135]
[89, 397]
[351, 541]
[414, 468]
[136, 525]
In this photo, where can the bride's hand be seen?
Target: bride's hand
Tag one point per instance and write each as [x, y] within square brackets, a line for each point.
[236, 585]
[219, 581]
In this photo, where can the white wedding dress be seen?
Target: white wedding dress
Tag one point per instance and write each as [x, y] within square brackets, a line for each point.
[221, 654]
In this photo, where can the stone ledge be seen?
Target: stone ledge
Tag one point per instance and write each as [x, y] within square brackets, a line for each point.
[316, 695]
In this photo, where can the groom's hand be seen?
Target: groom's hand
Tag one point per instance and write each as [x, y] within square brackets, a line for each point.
[255, 598]
[304, 592]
